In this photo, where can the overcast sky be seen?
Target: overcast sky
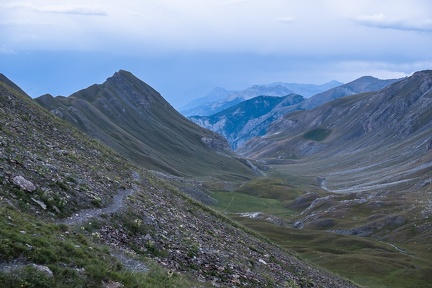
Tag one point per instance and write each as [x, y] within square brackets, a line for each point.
[185, 48]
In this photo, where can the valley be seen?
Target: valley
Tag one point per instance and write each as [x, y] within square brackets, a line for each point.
[374, 240]
[337, 176]
[335, 195]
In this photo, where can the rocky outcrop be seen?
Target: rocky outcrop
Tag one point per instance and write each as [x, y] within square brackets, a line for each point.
[216, 144]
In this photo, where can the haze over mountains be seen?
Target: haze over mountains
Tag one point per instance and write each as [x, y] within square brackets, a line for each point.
[249, 118]
[253, 124]
[220, 99]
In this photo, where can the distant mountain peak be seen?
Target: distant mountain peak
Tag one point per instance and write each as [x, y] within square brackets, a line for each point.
[207, 106]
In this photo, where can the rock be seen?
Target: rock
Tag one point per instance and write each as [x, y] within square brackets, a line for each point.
[44, 269]
[23, 183]
[41, 204]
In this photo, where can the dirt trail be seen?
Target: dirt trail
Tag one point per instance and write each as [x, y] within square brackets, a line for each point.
[86, 214]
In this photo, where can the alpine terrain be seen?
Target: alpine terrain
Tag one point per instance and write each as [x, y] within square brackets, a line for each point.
[251, 118]
[361, 165]
[74, 213]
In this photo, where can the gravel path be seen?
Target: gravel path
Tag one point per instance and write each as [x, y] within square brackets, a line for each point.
[86, 214]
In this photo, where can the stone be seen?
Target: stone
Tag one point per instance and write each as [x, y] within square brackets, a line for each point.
[23, 183]
[40, 203]
[44, 269]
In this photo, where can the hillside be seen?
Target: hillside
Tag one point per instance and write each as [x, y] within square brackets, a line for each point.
[359, 166]
[76, 214]
[375, 122]
[247, 119]
[360, 85]
[132, 118]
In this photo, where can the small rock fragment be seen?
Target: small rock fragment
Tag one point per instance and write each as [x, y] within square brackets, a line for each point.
[41, 204]
[262, 261]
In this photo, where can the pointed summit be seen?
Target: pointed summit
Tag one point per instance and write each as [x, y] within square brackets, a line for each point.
[134, 119]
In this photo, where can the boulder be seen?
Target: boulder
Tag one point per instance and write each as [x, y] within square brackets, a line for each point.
[23, 183]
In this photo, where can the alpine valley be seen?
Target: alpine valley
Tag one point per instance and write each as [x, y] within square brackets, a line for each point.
[329, 186]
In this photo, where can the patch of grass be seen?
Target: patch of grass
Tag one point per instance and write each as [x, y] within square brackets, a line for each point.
[233, 202]
[318, 134]
[270, 187]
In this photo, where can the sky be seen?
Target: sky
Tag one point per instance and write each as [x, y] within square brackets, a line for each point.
[186, 48]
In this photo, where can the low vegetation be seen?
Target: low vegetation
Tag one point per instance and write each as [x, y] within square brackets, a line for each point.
[319, 134]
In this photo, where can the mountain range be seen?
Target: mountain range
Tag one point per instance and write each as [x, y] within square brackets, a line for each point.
[249, 123]
[220, 99]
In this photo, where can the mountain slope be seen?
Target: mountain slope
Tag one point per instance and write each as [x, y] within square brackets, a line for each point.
[127, 228]
[247, 119]
[134, 119]
[386, 131]
[360, 85]
[257, 125]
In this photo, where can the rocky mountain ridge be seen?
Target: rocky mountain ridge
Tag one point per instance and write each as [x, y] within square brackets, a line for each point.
[360, 85]
[257, 125]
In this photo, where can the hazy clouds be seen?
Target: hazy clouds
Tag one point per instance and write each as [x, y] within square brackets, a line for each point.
[283, 37]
